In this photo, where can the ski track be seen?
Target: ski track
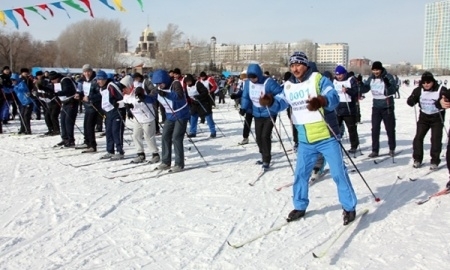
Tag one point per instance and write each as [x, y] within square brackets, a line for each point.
[55, 216]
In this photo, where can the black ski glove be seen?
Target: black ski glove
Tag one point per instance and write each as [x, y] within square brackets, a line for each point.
[386, 82]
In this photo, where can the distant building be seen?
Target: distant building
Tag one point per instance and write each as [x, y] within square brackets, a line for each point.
[330, 55]
[147, 45]
[121, 45]
[436, 52]
[359, 63]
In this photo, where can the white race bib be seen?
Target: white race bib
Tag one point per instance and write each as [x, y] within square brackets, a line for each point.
[427, 101]
[297, 95]
[86, 88]
[255, 92]
[343, 97]
[377, 86]
[106, 105]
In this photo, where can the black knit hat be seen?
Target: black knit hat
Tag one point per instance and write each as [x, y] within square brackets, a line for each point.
[377, 65]
[39, 73]
[427, 77]
[177, 71]
[6, 67]
[22, 70]
[54, 75]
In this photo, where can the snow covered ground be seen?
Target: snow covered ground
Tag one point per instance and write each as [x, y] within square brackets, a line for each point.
[56, 216]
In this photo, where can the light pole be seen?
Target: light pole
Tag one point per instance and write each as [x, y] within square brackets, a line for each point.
[213, 43]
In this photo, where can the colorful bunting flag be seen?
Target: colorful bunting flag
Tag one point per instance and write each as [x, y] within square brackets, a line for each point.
[9, 13]
[36, 11]
[2, 17]
[88, 5]
[141, 4]
[118, 4]
[107, 4]
[45, 7]
[22, 13]
[75, 4]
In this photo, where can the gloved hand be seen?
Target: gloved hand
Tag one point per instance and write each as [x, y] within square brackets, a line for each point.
[162, 93]
[242, 112]
[266, 100]
[386, 82]
[233, 96]
[129, 106]
[140, 94]
[196, 97]
[130, 115]
[316, 103]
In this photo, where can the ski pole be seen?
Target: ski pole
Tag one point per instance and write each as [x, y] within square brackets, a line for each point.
[279, 137]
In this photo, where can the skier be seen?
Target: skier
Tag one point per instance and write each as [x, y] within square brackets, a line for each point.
[309, 94]
[248, 117]
[89, 93]
[200, 105]
[65, 89]
[114, 109]
[142, 115]
[23, 91]
[255, 87]
[347, 89]
[383, 87]
[430, 117]
[171, 95]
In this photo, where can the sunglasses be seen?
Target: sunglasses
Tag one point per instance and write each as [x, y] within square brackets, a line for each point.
[426, 82]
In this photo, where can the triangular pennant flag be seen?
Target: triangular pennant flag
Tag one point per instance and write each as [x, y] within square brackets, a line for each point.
[36, 11]
[22, 13]
[2, 17]
[9, 13]
[45, 7]
[108, 5]
[88, 5]
[74, 5]
[142, 5]
[58, 5]
[118, 4]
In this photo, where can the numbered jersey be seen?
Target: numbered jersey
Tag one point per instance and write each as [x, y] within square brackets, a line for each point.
[297, 95]
[338, 85]
[427, 100]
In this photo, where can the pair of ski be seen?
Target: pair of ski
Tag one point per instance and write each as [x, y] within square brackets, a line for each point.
[158, 173]
[328, 244]
[416, 176]
[385, 157]
[437, 194]
[262, 171]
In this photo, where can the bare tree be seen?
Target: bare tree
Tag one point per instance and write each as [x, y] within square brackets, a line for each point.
[90, 41]
[168, 41]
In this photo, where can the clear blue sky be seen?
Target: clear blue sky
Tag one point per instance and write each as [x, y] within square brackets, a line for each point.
[385, 30]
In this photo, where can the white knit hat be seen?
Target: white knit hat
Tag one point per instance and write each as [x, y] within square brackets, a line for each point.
[127, 81]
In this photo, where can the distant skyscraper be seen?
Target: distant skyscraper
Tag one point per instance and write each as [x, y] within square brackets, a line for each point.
[330, 55]
[436, 51]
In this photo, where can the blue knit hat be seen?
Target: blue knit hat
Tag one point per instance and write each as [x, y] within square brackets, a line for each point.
[340, 70]
[101, 75]
[298, 58]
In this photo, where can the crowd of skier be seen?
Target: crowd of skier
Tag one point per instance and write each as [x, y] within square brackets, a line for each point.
[318, 105]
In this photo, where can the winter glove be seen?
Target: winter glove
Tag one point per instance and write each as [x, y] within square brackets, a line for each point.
[266, 100]
[359, 78]
[196, 97]
[140, 94]
[129, 106]
[233, 96]
[242, 112]
[411, 100]
[130, 115]
[316, 103]
[162, 93]
[386, 82]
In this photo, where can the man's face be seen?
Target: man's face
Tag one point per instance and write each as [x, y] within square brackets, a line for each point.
[177, 76]
[340, 77]
[39, 77]
[171, 74]
[87, 74]
[188, 83]
[101, 82]
[54, 81]
[298, 70]
[24, 74]
[376, 72]
[254, 80]
[161, 85]
[427, 85]
[6, 71]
